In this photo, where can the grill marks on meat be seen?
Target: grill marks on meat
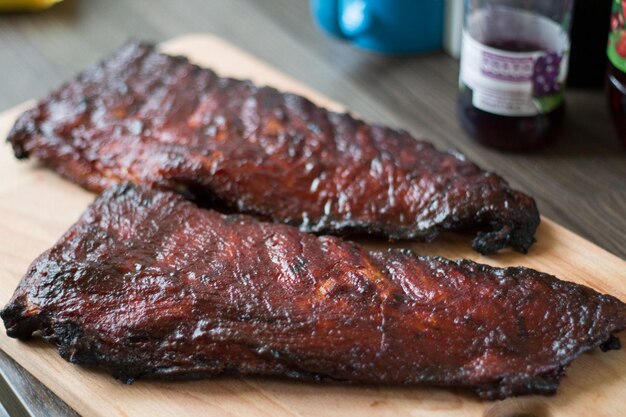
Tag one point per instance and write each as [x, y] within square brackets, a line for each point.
[160, 121]
[146, 284]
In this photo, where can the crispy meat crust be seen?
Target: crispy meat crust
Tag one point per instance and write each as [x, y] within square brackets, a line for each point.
[146, 284]
[160, 121]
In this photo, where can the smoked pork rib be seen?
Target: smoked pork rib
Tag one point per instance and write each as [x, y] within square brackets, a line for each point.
[160, 121]
[147, 284]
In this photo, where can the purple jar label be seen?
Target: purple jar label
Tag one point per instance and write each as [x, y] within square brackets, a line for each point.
[506, 68]
[520, 79]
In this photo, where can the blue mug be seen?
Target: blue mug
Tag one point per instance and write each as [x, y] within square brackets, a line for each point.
[387, 26]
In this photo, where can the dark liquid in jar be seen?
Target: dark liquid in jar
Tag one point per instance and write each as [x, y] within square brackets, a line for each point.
[510, 133]
[616, 90]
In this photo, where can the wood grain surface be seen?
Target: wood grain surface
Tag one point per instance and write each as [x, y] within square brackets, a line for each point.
[36, 207]
[24, 396]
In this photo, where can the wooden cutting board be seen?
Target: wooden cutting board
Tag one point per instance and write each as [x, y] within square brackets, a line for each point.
[36, 207]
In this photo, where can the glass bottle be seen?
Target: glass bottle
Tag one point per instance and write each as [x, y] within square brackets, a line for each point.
[616, 74]
[514, 62]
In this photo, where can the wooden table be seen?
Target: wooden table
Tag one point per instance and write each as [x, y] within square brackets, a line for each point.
[579, 182]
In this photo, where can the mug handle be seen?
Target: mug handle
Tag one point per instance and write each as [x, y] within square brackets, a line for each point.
[344, 19]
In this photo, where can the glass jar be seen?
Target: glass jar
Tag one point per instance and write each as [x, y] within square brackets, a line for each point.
[514, 63]
[616, 73]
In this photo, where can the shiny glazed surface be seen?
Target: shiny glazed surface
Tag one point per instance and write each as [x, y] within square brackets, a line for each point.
[160, 121]
[146, 284]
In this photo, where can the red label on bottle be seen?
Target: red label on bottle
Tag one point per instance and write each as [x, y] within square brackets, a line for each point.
[616, 49]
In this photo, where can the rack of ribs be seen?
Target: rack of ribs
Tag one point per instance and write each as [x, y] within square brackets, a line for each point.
[146, 285]
[162, 122]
